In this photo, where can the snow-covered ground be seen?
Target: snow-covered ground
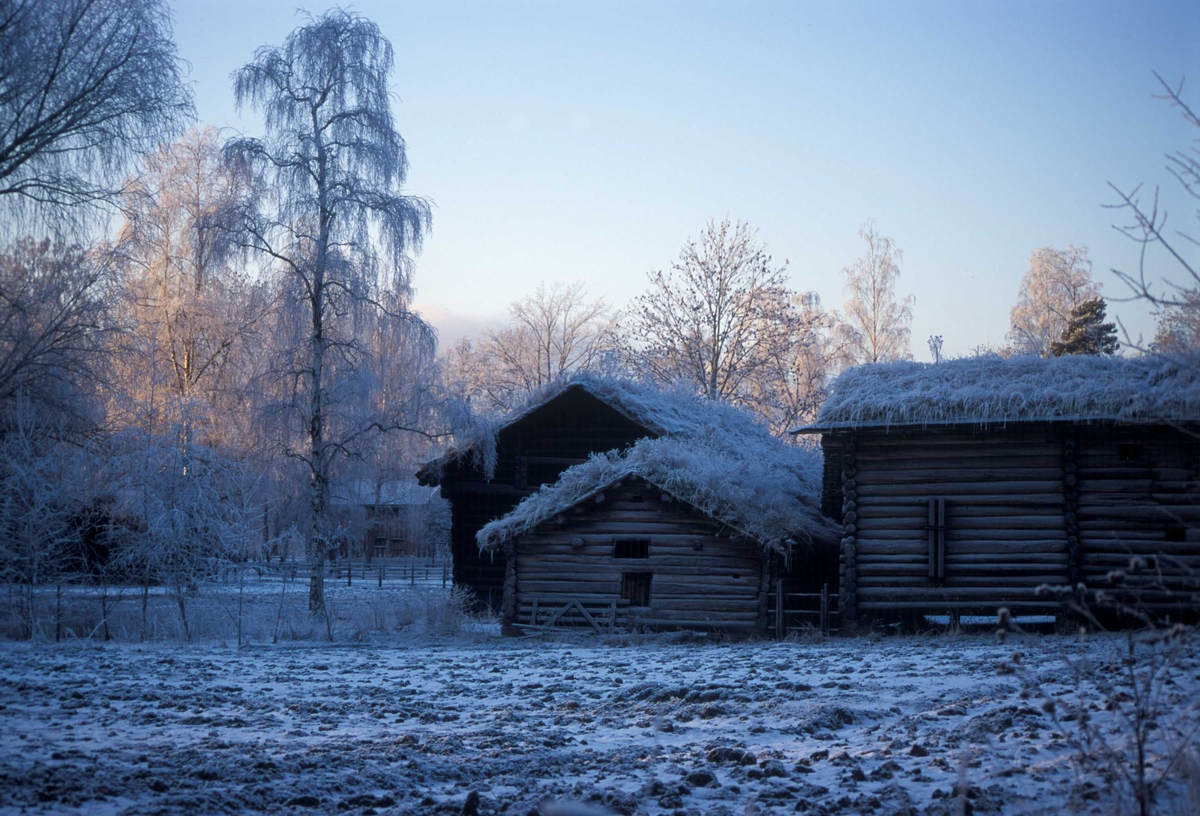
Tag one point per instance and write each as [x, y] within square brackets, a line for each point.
[579, 725]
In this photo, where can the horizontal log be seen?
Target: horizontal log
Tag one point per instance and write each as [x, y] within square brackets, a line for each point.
[966, 510]
[584, 563]
[950, 489]
[931, 439]
[994, 499]
[944, 592]
[873, 565]
[933, 605]
[1001, 457]
[951, 476]
[875, 546]
[954, 583]
[660, 585]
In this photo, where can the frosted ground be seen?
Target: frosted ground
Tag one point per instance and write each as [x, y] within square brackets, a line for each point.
[582, 725]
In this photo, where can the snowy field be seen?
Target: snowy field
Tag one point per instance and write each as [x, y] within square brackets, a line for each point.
[477, 723]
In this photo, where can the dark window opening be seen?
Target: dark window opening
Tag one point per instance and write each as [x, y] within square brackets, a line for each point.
[635, 588]
[631, 548]
[1129, 452]
[637, 497]
[1176, 532]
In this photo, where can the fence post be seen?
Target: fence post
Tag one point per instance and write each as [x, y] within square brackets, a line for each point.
[349, 574]
[444, 570]
[825, 609]
[412, 574]
[381, 577]
[779, 628]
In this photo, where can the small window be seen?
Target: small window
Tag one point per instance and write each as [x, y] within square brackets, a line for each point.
[631, 548]
[1176, 532]
[637, 497]
[635, 588]
[1129, 452]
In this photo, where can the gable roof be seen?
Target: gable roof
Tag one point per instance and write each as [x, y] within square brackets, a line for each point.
[669, 412]
[996, 391]
[760, 487]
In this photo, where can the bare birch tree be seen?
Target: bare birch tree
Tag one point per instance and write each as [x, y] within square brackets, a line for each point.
[712, 321]
[552, 333]
[329, 215]
[1167, 276]
[877, 323]
[1057, 281]
[85, 87]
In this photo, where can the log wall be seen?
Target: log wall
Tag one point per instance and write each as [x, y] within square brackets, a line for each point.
[1054, 504]
[701, 578]
[1004, 519]
[1139, 495]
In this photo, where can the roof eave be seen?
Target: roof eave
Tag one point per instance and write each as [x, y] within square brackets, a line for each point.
[829, 427]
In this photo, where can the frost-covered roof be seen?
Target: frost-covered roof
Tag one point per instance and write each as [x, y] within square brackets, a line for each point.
[746, 479]
[662, 412]
[996, 391]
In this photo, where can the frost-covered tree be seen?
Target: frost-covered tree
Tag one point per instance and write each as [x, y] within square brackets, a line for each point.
[803, 363]
[191, 510]
[713, 320]
[551, 333]
[1056, 282]
[877, 324]
[330, 217]
[1087, 332]
[54, 324]
[188, 302]
[85, 87]
[43, 483]
[1178, 329]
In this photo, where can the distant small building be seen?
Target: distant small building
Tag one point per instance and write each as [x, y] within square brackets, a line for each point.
[673, 533]
[397, 518]
[963, 486]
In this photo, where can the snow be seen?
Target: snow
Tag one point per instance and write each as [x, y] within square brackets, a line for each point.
[996, 390]
[764, 489]
[653, 725]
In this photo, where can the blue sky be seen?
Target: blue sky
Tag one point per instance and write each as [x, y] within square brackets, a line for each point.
[588, 141]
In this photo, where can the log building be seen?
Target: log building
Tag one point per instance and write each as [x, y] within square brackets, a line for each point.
[673, 533]
[963, 486]
[490, 473]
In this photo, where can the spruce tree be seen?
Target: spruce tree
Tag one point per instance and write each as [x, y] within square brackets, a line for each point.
[1086, 331]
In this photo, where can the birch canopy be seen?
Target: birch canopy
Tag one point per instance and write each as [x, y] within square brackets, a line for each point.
[329, 214]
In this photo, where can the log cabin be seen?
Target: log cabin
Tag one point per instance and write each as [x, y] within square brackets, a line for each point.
[492, 470]
[503, 462]
[967, 485]
[672, 533]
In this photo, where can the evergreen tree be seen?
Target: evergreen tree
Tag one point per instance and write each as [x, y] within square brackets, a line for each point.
[1086, 331]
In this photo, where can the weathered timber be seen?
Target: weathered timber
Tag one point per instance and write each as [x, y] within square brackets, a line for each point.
[700, 577]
